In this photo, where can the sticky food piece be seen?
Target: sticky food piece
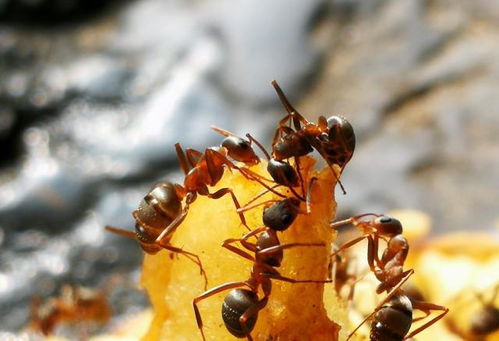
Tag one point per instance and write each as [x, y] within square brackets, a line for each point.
[294, 311]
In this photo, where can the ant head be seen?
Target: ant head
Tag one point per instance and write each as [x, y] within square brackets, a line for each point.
[240, 150]
[281, 215]
[388, 226]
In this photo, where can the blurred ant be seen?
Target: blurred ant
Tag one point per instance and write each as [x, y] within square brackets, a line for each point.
[333, 138]
[393, 316]
[241, 306]
[484, 322]
[75, 304]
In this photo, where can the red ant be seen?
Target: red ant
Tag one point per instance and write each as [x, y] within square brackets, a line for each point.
[393, 316]
[160, 212]
[333, 138]
[74, 305]
[241, 306]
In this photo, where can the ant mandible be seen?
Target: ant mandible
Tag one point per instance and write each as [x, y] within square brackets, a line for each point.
[393, 316]
[241, 306]
[333, 138]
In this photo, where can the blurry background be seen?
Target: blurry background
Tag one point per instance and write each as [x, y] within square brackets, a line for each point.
[93, 95]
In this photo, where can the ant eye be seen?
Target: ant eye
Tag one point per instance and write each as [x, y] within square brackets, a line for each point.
[243, 144]
[385, 220]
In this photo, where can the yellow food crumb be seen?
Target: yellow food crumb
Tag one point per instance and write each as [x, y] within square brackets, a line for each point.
[294, 311]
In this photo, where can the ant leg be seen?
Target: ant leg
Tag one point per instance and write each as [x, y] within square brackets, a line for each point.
[372, 253]
[211, 292]
[277, 248]
[189, 255]
[349, 244]
[262, 148]
[249, 207]
[352, 220]
[249, 313]
[121, 232]
[308, 199]
[277, 276]
[243, 239]
[426, 308]
[193, 156]
[298, 170]
[220, 193]
[182, 158]
[173, 225]
[382, 303]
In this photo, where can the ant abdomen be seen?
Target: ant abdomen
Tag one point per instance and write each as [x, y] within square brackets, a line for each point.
[236, 303]
[281, 215]
[291, 145]
[240, 150]
[486, 321]
[283, 173]
[156, 211]
[393, 320]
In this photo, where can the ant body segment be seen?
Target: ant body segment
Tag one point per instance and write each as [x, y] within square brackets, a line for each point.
[333, 138]
[392, 318]
[241, 306]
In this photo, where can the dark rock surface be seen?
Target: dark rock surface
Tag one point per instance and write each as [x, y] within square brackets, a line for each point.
[91, 107]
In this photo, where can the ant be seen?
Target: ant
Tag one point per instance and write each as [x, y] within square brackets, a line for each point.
[484, 322]
[282, 173]
[74, 305]
[241, 306]
[333, 138]
[160, 212]
[392, 318]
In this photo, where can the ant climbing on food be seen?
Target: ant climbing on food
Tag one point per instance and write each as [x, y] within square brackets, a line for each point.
[333, 138]
[392, 318]
[241, 306]
[75, 304]
[160, 212]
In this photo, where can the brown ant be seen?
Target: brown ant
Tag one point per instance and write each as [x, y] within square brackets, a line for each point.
[484, 322]
[392, 318]
[241, 306]
[75, 304]
[160, 212]
[333, 138]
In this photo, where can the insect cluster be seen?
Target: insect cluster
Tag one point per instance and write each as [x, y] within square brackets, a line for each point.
[285, 194]
[165, 207]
